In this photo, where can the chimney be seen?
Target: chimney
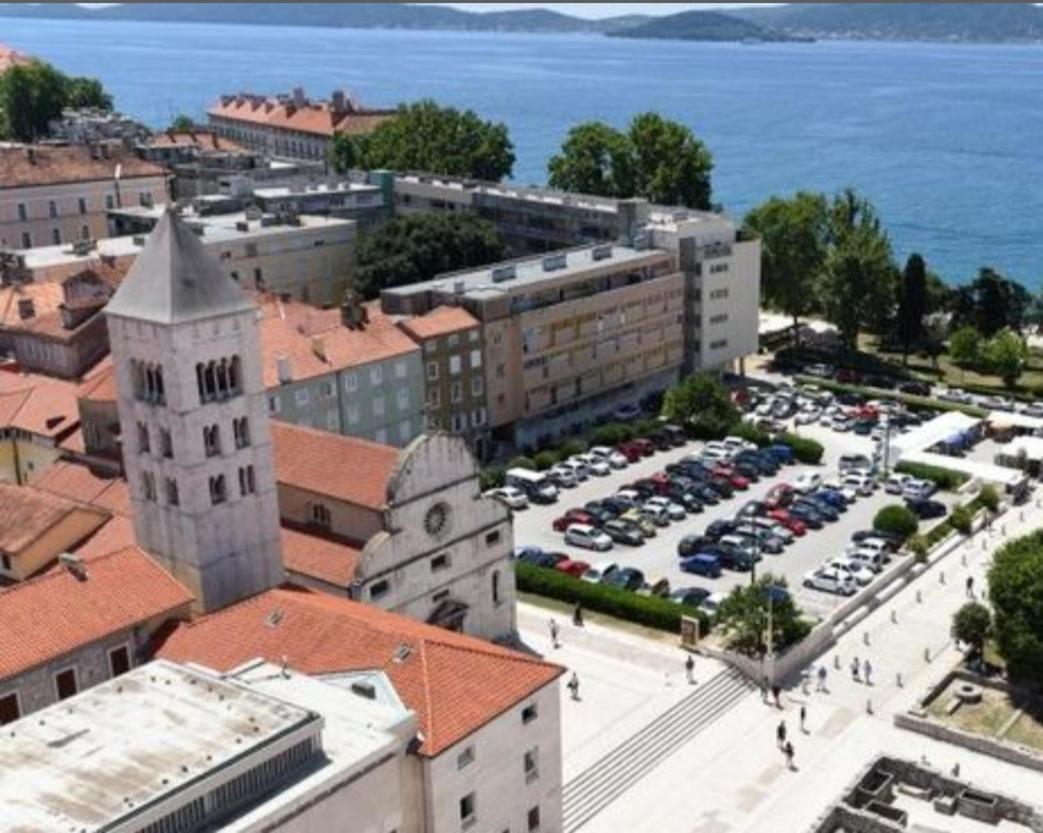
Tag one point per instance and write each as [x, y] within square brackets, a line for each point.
[298, 97]
[318, 347]
[74, 564]
[282, 367]
[26, 308]
[352, 314]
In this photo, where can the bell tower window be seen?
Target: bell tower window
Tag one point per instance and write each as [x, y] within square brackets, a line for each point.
[218, 493]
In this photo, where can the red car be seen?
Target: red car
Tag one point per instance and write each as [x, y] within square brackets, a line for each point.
[737, 480]
[794, 525]
[779, 496]
[630, 450]
[574, 516]
[646, 446]
[659, 483]
[576, 569]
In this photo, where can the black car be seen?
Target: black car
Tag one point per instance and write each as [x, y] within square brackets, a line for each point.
[927, 509]
[807, 514]
[820, 506]
[693, 545]
[733, 557]
[747, 470]
[751, 509]
[720, 484]
[627, 578]
[706, 493]
[690, 596]
[676, 435]
[687, 499]
[915, 388]
[617, 504]
[718, 529]
[601, 513]
[662, 440]
[851, 399]
[624, 532]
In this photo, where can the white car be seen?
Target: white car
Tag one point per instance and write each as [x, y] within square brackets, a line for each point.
[595, 465]
[860, 483]
[878, 545]
[1033, 410]
[831, 581]
[954, 395]
[808, 417]
[737, 444]
[806, 482]
[870, 558]
[843, 423]
[563, 475]
[610, 456]
[775, 528]
[712, 603]
[915, 489]
[597, 571]
[509, 497]
[895, 484]
[675, 511]
[587, 537]
[578, 468]
[859, 572]
[854, 462]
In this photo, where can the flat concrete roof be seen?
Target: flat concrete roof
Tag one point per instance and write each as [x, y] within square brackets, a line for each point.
[114, 750]
[274, 191]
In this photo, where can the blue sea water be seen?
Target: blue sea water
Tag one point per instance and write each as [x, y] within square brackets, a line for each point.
[947, 140]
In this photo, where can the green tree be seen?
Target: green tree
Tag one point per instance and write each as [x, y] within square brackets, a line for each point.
[656, 158]
[972, 624]
[913, 304]
[1016, 592]
[442, 140]
[965, 347]
[344, 153]
[897, 519]
[989, 497]
[793, 234]
[86, 92]
[419, 246]
[702, 403]
[859, 275]
[1006, 355]
[34, 94]
[990, 303]
[183, 123]
[918, 546]
[744, 615]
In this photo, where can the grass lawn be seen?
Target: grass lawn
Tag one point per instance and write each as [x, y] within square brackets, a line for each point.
[1028, 730]
[988, 718]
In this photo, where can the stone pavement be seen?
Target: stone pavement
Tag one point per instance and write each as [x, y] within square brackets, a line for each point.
[729, 774]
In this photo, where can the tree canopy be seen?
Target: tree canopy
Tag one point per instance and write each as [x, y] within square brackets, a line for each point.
[991, 303]
[1016, 593]
[182, 122]
[34, 94]
[972, 624]
[965, 346]
[427, 137]
[913, 304]
[419, 246]
[702, 403]
[655, 158]
[743, 617]
[1006, 355]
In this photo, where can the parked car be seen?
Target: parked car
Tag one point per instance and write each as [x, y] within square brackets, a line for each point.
[626, 413]
[763, 541]
[834, 497]
[712, 603]
[927, 509]
[806, 481]
[895, 484]
[509, 497]
[630, 451]
[562, 476]
[860, 483]
[655, 513]
[692, 545]
[915, 489]
[702, 564]
[573, 516]
[676, 435]
[893, 540]
[587, 537]
[577, 467]
[610, 456]
[807, 515]
[779, 496]
[573, 568]
[624, 532]
[774, 527]
[816, 504]
[625, 578]
[861, 574]
[599, 570]
[660, 588]
[685, 498]
[689, 596]
[870, 559]
[784, 518]
[595, 465]
[915, 388]
[783, 453]
[634, 516]
[674, 511]
[617, 504]
[601, 513]
[751, 509]
[718, 529]
[831, 581]
[854, 461]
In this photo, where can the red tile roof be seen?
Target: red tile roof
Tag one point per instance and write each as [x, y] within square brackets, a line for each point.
[75, 481]
[344, 468]
[10, 57]
[440, 321]
[315, 117]
[116, 533]
[318, 558]
[57, 613]
[26, 513]
[456, 684]
[316, 342]
[203, 139]
[46, 299]
[38, 404]
[99, 385]
[22, 166]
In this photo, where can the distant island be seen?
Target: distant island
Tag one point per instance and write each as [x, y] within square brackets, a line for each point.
[946, 22]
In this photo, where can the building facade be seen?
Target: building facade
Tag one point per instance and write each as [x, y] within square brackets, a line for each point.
[50, 195]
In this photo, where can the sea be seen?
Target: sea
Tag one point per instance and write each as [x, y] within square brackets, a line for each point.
[945, 139]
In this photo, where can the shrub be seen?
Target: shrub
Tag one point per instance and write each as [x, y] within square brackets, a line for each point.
[490, 478]
[806, 450]
[989, 497]
[919, 547]
[750, 434]
[612, 434]
[571, 447]
[522, 463]
[945, 479]
[962, 519]
[653, 612]
[545, 459]
[896, 519]
[645, 427]
[1016, 593]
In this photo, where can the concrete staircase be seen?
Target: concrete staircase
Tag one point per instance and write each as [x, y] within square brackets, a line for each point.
[607, 779]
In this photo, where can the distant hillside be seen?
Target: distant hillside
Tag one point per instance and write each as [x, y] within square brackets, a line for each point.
[698, 25]
[968, 22]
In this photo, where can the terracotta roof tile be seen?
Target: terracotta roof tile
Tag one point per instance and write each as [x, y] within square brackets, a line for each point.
[116, 533]
[440, 321]
[52, 164]
[10, 57]
[99, 385]
[26, 513]
[46, 299]
[75, 481]
[203, 139]
[314, 117]
[345, 468]
[300, 333]
[319, 558]
[456, 684]
[57, 613]
[47, 408]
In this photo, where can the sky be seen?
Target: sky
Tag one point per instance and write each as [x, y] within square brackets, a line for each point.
[596, 10]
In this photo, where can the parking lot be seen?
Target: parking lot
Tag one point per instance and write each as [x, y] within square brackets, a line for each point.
[658, 557]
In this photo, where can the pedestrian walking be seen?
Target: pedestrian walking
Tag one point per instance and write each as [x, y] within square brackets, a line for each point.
[821, 678]
[855, 670]
[788, 750]
[577, 616]
[689, 669]
[867, 671]
[764, 688]
[780, 734]
[970, 587]
[574, 686]
[554, 634]
[803, 718]
[775, 693]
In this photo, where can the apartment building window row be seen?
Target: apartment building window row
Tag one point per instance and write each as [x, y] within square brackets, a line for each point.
[218, 490]
[719, 344]
[717, 268]
[719, 319]
[718, 294]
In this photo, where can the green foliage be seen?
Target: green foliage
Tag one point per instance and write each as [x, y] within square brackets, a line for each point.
[743, 618]
[611, 434]
[419, 246]
[972, 624]
[919, 547]
[989, 497]
[653, 612]
[701, 403]
[656, 158]
[1005, 355]
[441, 140]
[916, 403]
[913, 303]
[343, 153]
[965, 346]
[945, 479]
[571, 447]
[491, 478]
[182, 123]
[962, 520]
[806, 450]
[545, 459]
[1016, 593]
[991, 303]
[896, 519]
[751, 434]
[794, 241]
[522, 463]
[34, 94]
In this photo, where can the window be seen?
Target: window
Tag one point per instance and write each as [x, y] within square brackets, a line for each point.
[119, 661]
[110, 202]
[85, 233]
[459, 423]
[218, 492]
[534, 818]
[378, 406]
[432, 371]
[320, 515]
[456, 392]
[246, 481]
[440, 562]
[274, 404]
[65, 683]
[454, 340]
[23, 214]
[332, 421]
[381, 435]
[173, 498]
[351, 382]
[302, 397]
[5, 560]
[478, 417]
[496, 585]
[144, 445]
[454, 365]
[719, 345]
[434, 398]
[467, 810]
[472, 336]
[82, 205]
[400, 370]
[27, 240]
[492, 538]
[56, 236]
[148, 485]
[379, 589]
[211, 440]
[529, 713]
[241, 432]
[376, 375]
[531, 765]
[465, 758]
[166, 445]
[52, 209]
[10, 708]
[403, 398]
[499, 371]
[477, 386]
[476, 359]
[354, 412]
[405, 431]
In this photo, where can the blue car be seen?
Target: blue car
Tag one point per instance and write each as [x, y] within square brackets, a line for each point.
[783, 453]
[833, 498]
[703, 565]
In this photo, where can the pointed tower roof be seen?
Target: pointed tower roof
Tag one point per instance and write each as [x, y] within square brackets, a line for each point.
[175, 279]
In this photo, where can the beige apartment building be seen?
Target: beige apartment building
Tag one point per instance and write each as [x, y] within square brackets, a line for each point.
[55, 195]
[568, 337]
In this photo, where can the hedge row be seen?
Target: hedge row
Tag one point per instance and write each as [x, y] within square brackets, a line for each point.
[806, 450]
[960, 519]
[916, 403]
[945, 479]
[650, 611]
